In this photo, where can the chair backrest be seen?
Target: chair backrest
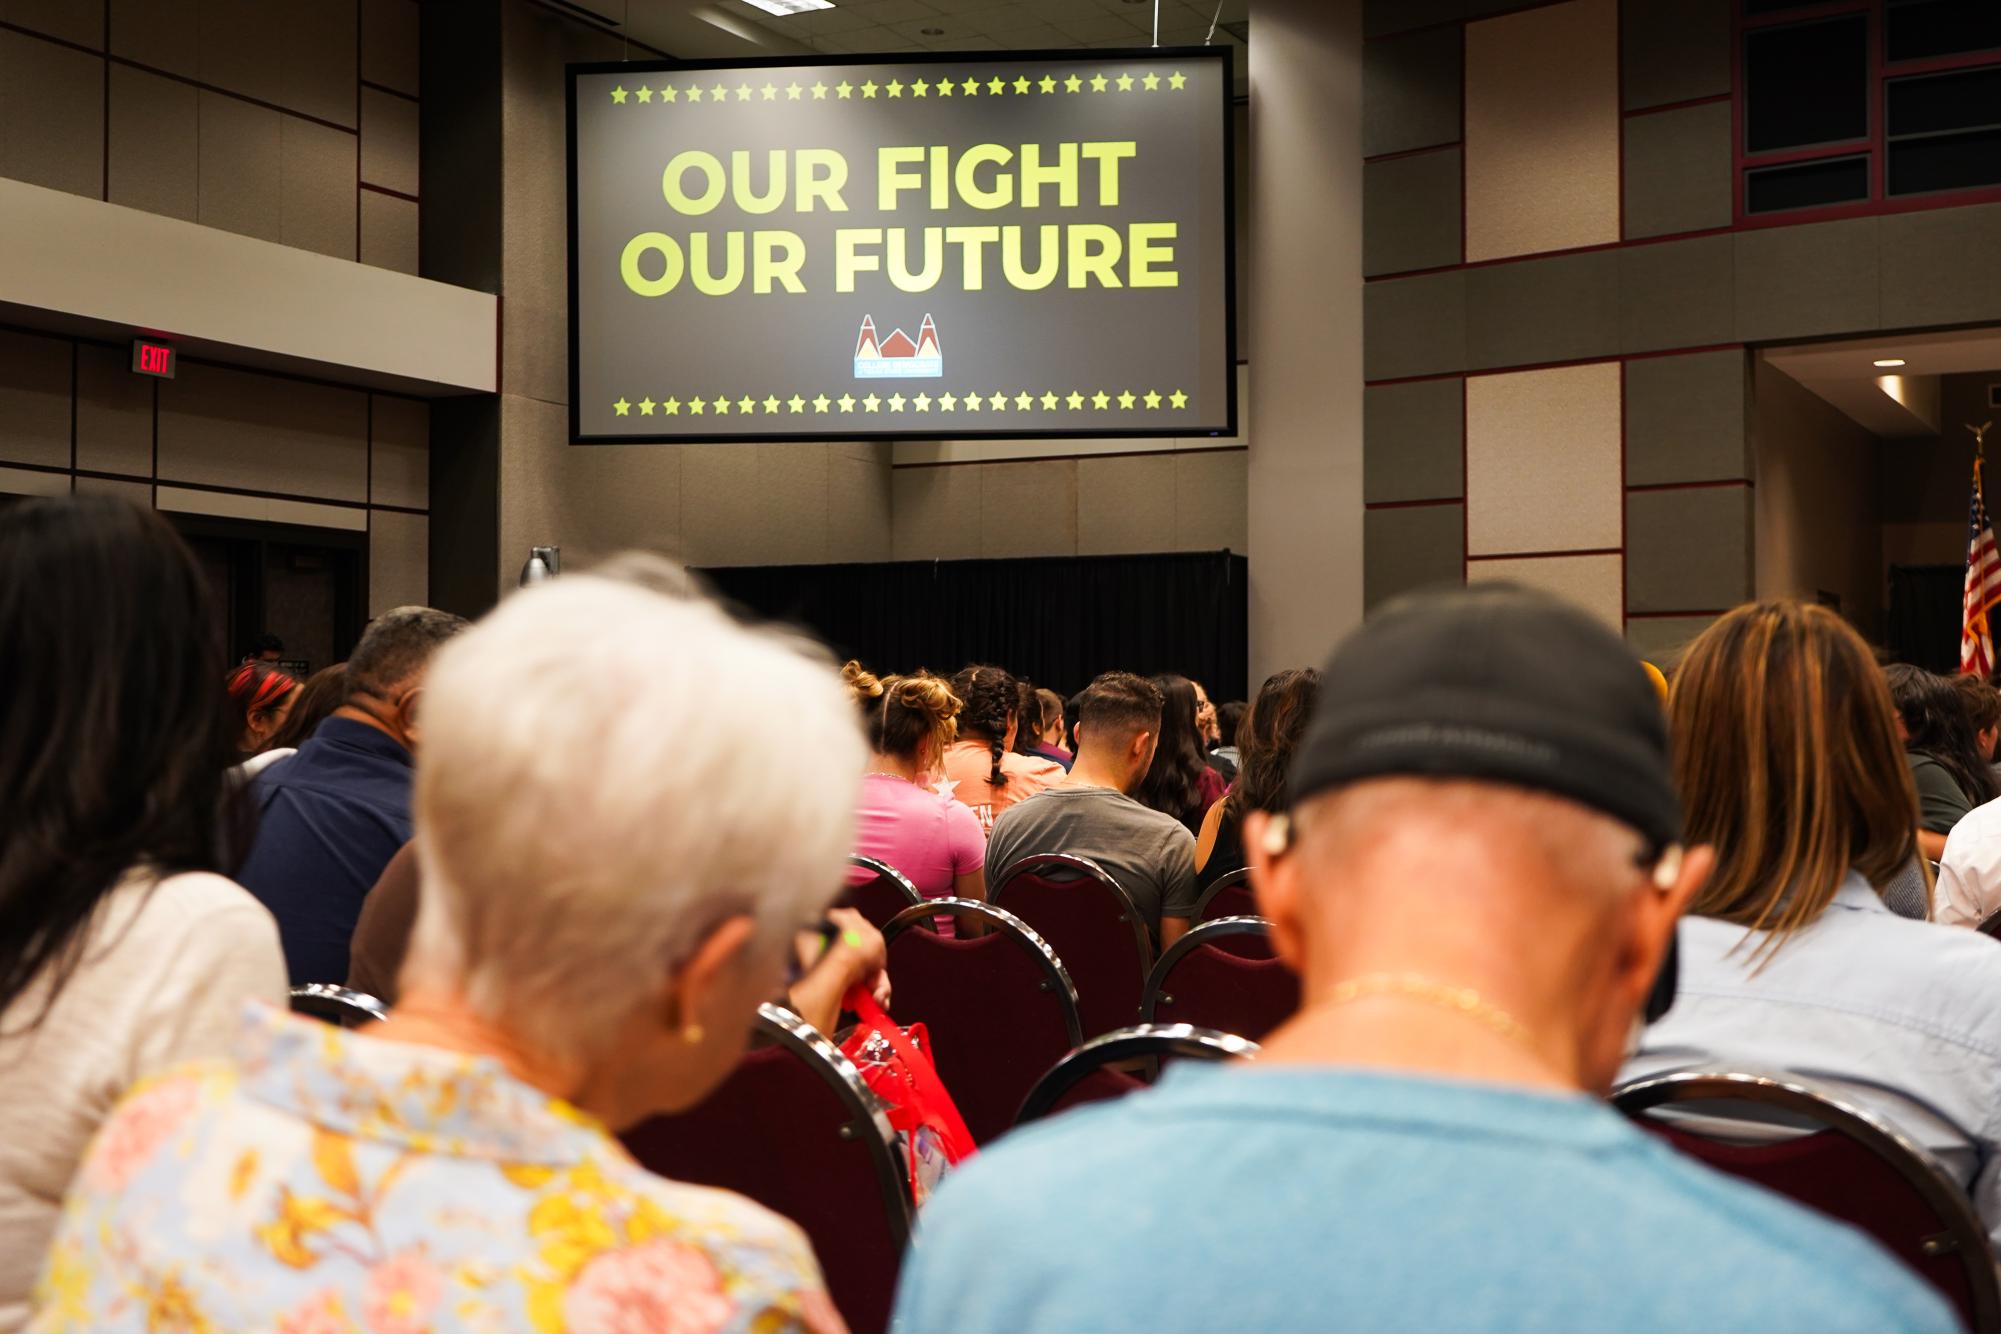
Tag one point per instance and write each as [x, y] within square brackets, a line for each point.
[1847, 1164]
[999, 1006]
[1990, 925]
[338, 1005]
[1083, 1076]
[1228, 896]
[1203, 982]
[1091, 923]
[795, 1129]
[883, 895]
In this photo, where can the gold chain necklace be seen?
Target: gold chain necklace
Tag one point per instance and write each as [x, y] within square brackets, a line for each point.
[1412, 986]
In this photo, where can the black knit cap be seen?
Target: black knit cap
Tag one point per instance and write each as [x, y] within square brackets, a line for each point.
[1500, 683]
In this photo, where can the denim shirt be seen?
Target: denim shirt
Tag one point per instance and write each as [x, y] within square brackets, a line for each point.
[1897, 1017]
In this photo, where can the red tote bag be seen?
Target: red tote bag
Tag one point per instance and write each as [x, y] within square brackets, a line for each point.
[897, 1068]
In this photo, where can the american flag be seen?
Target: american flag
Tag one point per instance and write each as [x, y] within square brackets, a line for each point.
[1983, 587]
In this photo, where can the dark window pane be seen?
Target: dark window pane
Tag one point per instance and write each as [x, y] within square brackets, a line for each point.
[1937, 102]
[1920, 28]
[1806, 84]
[1839, 180]
[1949, 162]
[1753, 7]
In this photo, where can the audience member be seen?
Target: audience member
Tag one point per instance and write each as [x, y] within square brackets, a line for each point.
[1180, 783]
[1208, 730]
[1415, 1150]
[1982, 703]
[323, 692]
[1042, 731]
[604, 906]
[1226, 758]
[260, 699]
[1942, 752]
[981, 767]
[265, 648]
[1786, 754]
[122, 952]
[335, 813]
[1969, 875]
[937, 843]
[1092, 812]
[1270, 733]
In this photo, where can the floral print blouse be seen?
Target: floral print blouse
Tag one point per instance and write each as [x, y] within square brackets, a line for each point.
[330, 1183]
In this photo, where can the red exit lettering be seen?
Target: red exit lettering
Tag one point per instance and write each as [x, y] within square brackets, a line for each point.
[152, 358]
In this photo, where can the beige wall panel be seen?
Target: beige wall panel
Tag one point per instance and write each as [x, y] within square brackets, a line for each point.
[389, 44]
[319, 60]
[399, 466]
[185, 500]
[242, 44]
[1211, 502]
[389, 141]
[1542, 460]
[1542, 130]
[241, 168]
[165, 34]
[535, 360]
[388, 232]
[233, 428]
[1029, 509]
[316, 209]
[51, 115]
[34, 400]
[139, 493]
[720, 508]
[591, 502]
[114, 413]
[153, 143]
[1124, 504]
[27, 482]
[79, 21]
[399, 561]
[1595, 583]
[858, 514]
[791, 492]
[936, 512]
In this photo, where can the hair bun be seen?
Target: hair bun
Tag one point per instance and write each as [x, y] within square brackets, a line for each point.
[861, 682]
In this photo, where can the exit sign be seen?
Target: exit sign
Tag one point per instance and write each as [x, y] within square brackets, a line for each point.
[150, 358]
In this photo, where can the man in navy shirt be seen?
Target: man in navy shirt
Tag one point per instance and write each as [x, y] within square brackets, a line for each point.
[332, 816]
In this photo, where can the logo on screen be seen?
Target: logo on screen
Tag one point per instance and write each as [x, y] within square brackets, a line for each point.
[898, 357]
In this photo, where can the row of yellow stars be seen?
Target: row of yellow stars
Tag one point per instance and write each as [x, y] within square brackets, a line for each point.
[844, 90]
[896, 402]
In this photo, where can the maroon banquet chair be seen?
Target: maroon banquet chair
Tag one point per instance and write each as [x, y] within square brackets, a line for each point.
[1086, 1076]
[885, 893]
[795, 1129]
[1228, 896]
[1202, 981]
[999, 1007]
[1091, 924]
[1845, 1163]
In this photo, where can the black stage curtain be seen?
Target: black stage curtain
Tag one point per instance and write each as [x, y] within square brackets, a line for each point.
[1927, 607]
[1058, 621]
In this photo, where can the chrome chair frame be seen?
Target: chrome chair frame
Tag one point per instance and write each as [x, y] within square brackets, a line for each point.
[1230, 879]
[1205, 934]
[349, 1008]
[1083, 868]
[1139, 1042]
[1056, 978]
[884, 871]
[1965, 1235]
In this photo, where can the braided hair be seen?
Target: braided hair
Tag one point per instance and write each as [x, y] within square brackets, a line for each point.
[991, 697]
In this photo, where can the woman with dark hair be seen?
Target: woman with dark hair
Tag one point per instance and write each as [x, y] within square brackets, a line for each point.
[1180, 782]
[1942, 750]
[1040, 734]
[260, 698]
[323, 692]
[122, 952]
[1266, 736]
[1785, 749]
[981, 767]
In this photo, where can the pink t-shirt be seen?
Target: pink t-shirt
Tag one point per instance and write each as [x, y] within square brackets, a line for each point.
[932, 839]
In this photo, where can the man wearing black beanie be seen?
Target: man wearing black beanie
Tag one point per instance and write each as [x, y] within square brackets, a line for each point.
[1477, 882]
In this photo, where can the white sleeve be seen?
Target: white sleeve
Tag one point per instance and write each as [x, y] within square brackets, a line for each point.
[1966, 879]
[211, 954]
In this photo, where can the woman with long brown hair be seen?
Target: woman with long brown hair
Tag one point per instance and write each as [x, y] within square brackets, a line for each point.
[1789, 764]
[1266, 737]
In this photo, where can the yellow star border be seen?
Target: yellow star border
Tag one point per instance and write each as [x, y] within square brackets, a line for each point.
[1121, 80]
[922, 400]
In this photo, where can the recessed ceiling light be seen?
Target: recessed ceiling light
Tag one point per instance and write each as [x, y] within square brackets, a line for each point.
[789, 6]
[1888, 362]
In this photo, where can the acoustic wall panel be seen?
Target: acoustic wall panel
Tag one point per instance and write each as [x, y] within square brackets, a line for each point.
[1542, 460]
[1590, 582]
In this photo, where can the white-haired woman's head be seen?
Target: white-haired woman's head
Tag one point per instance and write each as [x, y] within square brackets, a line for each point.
[616, 846]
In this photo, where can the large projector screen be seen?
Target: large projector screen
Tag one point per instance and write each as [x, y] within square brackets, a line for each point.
[944, 247]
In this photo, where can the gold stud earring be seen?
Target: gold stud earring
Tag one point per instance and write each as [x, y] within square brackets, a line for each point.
[692, 1034]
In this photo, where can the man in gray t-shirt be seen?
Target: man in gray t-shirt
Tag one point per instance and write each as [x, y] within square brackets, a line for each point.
[1088, 814]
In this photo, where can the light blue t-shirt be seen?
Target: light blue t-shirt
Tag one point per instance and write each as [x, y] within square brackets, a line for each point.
[1290, 1198]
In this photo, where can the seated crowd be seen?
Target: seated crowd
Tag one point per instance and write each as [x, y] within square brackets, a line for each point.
[559, 842]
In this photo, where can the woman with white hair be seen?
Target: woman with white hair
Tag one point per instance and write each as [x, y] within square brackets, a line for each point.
[612, 883]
